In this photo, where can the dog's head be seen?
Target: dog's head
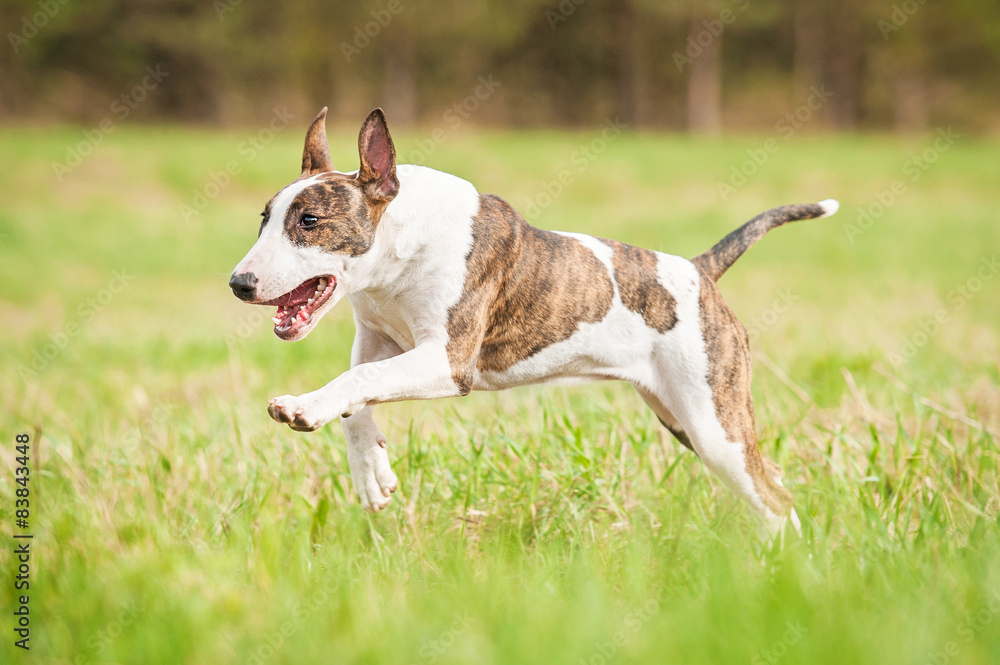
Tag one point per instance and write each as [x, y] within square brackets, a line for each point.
[317, 231]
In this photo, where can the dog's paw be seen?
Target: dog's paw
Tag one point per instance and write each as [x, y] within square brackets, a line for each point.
[302, 413]
[374, 481]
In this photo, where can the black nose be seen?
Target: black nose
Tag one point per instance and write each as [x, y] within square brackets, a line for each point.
[244, 285]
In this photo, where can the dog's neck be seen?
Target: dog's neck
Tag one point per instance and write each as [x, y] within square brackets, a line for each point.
[427, 213]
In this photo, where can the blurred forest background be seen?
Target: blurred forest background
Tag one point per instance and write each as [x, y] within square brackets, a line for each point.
[706, 67]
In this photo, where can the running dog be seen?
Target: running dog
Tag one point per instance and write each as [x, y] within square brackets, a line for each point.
[453, 291]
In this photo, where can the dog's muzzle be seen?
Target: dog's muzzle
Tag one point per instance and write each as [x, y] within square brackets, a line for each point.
[244, 286]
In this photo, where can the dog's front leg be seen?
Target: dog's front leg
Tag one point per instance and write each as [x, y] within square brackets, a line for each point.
[380, 373]
[421, 373]
[367, 457]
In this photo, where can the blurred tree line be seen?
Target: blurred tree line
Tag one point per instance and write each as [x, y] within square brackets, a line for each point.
[703, 66]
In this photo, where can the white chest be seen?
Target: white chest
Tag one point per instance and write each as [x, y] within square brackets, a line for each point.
[386, 317]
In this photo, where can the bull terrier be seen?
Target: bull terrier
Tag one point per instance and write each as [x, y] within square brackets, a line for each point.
[453, 291]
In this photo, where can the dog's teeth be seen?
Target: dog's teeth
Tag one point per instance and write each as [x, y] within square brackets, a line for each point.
[322, 284]
[310, 301]
[276, 320]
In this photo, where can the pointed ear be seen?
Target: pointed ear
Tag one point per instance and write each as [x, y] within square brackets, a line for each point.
[378, 158]
[316, 154]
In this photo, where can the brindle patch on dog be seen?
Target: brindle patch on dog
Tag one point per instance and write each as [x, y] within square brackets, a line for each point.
[639, 288]
[344, 223]
[729, 374]
[525, 289]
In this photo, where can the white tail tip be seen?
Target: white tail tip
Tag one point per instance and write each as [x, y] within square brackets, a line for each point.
[830, 207]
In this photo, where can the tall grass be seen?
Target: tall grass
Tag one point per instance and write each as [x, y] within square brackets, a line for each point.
[174, 522]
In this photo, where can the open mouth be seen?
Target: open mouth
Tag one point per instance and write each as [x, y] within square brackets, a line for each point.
[296, 308]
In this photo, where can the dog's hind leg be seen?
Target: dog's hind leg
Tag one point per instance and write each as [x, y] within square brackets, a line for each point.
[722, 434]
[732, 456]
[713, 404]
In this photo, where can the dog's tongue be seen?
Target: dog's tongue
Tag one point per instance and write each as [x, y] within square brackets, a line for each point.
[297, 295]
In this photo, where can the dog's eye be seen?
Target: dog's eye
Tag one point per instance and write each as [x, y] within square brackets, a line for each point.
[308, 221]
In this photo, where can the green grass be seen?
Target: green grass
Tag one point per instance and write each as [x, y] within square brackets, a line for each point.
[175, 522]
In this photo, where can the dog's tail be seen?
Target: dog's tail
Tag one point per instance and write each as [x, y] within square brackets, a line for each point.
[716, 261]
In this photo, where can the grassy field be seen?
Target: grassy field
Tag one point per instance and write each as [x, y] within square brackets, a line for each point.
[174, 522]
